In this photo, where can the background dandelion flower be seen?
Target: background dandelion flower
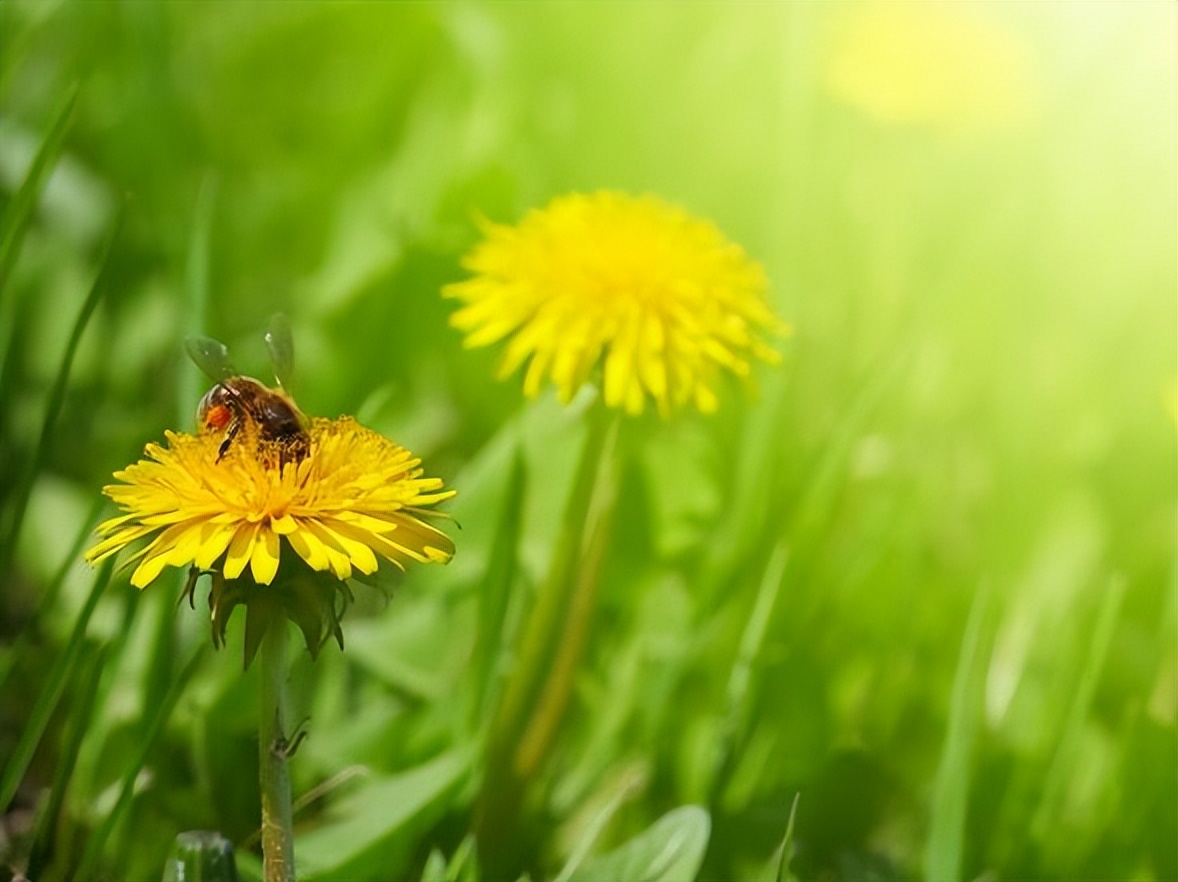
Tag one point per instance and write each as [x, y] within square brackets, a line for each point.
[355, 496]
[659, 297]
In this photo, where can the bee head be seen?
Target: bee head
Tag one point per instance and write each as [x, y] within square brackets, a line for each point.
[213, 411]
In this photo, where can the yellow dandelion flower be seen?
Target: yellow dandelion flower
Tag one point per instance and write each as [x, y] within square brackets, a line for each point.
[659, 298]
[354, 496]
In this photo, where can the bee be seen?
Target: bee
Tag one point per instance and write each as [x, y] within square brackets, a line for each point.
[237, 400]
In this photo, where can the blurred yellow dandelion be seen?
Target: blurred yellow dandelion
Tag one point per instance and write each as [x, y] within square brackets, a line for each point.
[660, 298]
[932, 64]
[354, 496]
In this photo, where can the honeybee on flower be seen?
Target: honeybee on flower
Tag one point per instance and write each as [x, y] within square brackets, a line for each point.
[261, 482]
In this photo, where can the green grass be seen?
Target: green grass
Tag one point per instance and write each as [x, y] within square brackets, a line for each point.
[905, 608]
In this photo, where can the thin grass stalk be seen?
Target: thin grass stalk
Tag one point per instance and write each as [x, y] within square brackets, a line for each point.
[20, 209]
[946, 838]
[50, 821]
[59, 675]
[57, 395]
[1067, 754]
[98, 840]
[740, 696]
[495, 594]
[19, 646]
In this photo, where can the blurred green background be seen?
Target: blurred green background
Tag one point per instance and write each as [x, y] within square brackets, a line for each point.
[922, 578]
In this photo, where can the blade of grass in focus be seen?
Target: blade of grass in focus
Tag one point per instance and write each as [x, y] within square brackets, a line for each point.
[942, 859]
[57, 395]
[61, 673]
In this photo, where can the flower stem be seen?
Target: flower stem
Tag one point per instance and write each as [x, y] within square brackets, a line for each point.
[277, 824]
[547, 651]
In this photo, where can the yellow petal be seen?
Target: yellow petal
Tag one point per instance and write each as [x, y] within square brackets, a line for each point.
[214, 544]
[309, 548]
[148, 570]
[283, 525]
[240, 548]
[264, 557]
[352, 541]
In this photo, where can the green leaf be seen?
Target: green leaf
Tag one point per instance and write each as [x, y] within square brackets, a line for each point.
[670, 850]
[368, 826]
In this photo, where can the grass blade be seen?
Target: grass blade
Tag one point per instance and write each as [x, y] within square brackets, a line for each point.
[47, 701]
[57, 394]
[1067, 753]
[593, 832]
[16, 217]
[196, 292]
[17, 648]
[778, 867]
[100, 837]
[669, 850]
[942, 859]
[369, 821]
[92, 663]
[495, 590]
[738, 704]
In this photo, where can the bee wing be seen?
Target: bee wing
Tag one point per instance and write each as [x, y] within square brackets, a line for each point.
[280, 342]
[211, 356]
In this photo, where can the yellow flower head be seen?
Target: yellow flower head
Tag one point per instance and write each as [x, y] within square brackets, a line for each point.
[659, 297]
[354, 496]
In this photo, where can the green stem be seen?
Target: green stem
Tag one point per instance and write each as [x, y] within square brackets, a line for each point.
[277, 824]
[549, 647]
[573, 633]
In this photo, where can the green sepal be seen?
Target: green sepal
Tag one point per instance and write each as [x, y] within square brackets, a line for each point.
[312, 600]
[261, 614]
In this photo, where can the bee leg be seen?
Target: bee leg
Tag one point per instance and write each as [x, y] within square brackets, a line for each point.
[230, 434]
